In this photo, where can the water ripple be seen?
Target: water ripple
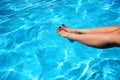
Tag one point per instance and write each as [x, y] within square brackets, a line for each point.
[30, 49]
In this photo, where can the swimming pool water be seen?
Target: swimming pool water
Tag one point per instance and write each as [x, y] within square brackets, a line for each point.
[30, 48]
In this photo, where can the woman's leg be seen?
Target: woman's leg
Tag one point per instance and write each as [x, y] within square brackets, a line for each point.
[92, 30]
[95, 40]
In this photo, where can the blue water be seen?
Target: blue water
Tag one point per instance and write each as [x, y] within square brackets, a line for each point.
[30, 48]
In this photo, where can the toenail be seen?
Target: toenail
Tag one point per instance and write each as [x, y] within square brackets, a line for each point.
[59, 26]
[63, 25]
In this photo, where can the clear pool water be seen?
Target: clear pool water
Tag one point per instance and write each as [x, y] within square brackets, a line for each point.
[30, 48]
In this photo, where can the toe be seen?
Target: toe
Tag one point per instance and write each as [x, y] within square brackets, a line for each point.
[59, 29]
[59, 26]
[63, 25]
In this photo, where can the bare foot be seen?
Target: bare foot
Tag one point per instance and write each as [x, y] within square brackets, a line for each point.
[71, 30]
[62, 32]
[65, 28]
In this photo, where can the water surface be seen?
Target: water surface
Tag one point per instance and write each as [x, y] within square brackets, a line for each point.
[30, 48]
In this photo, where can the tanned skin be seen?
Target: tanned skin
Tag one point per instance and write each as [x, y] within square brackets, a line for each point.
[102, 37]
